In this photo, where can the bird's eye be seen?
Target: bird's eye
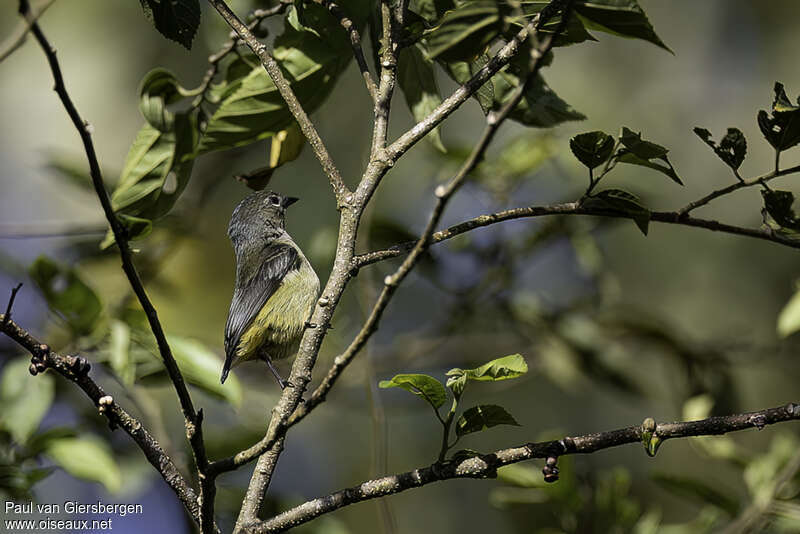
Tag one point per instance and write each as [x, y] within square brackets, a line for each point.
[274, 200]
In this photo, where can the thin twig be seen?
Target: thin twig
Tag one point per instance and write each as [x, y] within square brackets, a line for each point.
[7, 315]
[19, 40]
[758, 180]
[486, 465]
[355, 42]
[69, 368]
[284, 88]
[192, 418]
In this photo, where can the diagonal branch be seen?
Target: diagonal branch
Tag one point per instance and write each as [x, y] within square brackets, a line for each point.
[486, 465]
[72, 368]
[460, 95]
[192, 418]
[284, 88]
[19, 40]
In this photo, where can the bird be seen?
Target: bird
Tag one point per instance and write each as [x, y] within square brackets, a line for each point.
[276, 287]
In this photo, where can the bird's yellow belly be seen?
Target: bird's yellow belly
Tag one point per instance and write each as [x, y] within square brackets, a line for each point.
[277, 328]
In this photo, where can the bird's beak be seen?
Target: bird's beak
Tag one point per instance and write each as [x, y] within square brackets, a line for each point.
[288, 201]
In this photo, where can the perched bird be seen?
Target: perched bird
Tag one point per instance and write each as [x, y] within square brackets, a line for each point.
[276, 287]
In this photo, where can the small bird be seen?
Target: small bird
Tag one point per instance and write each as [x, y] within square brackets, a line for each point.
[276, 287]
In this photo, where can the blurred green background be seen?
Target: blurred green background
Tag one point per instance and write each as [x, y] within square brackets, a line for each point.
[615, 326]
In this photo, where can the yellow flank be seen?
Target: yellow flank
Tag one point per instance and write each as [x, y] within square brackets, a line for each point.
[279, 325]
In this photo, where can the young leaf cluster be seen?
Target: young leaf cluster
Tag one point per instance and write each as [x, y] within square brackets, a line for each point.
[474, 419]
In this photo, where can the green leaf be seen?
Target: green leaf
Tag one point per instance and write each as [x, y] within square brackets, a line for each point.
[86, 458]
[417, 79]
[617, 201]
[540, 105]
[624, 18]
[789, 318]
[782, 127]
[778, 204]
[201, 368]
[25, 399]
[157, 170]
[430, 10]
[119, 352]
[177, 20]
[311, 64]
[640, 152]
[592, 148]
[732, 149]
[285, 146]
[424, 386]
[160, 88]
[697, 490]
[573, 33]
[462, 71]
[481, 417]
[466, 31]
[504, 368]
[66, 294]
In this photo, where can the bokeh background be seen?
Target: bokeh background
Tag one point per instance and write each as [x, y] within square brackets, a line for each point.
[615, 326]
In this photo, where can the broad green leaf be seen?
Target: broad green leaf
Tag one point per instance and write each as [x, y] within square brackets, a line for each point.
[617, 201]
[789, 318]
[66, 294]
[782, 127]
[87, 458]
[481, 417]
[517, 161]
[417, 79]
[160, 88]
[697, 489]
[235, 73]
[521, 475]
[540, 105]
[732, 149]
[592, 148]
[285, 146]
[157, 169]
[430, 10]
[465, 32]
[640, 152]
[177, 20]
[504, 368]
[778, 204]
[201, 368]
[41, 440]
[461, 71]
[624, 18]
[25, 399]
[311, 64]
[119, 352]
[424, 386]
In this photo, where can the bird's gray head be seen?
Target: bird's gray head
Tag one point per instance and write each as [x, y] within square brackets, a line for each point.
[258, 212]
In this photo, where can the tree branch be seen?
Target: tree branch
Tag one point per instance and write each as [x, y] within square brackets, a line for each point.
[192, 418]
[569, 208]
[486, 465]
[76, 370]
[16, 42]
[284, 88]
[443, 194]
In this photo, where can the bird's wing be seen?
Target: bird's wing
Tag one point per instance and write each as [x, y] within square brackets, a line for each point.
[250, 297]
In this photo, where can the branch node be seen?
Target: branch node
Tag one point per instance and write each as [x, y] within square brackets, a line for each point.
[440, 191]
[790, 408]
[758, 420]
[550, 469]
[323, 302]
